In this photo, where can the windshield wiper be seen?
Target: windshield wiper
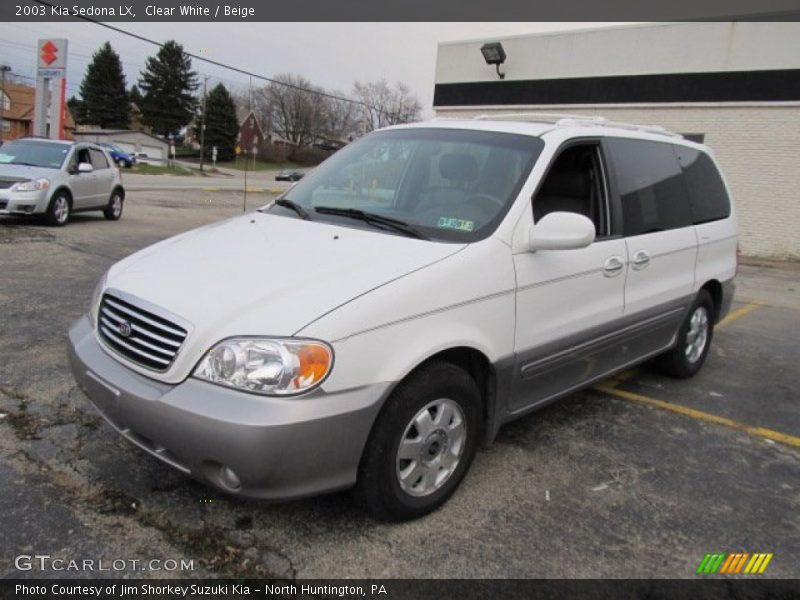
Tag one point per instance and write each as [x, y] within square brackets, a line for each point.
[286, 203]
[374, 219]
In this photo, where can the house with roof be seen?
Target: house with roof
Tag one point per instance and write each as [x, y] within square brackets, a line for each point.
[18, 107]
[250, 132]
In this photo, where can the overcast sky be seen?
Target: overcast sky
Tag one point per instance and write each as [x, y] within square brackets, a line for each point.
[332, 55]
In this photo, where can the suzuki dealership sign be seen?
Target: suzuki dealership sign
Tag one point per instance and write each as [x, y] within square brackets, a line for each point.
[52, 55]
[51, 83]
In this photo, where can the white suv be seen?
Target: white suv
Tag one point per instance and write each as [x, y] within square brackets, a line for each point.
[422, 287]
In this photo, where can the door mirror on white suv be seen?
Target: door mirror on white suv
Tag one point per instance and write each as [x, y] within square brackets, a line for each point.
[85, 167]
[561, 231]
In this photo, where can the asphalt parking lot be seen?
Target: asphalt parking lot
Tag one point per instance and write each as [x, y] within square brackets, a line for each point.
[638, 477]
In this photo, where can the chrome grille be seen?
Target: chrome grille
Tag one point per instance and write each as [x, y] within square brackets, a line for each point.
[138, 334]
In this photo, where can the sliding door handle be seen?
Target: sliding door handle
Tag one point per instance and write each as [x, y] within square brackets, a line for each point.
[640, 260]
[613, 266]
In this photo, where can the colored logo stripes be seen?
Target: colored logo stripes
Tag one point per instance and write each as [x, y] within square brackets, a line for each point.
[732, 564]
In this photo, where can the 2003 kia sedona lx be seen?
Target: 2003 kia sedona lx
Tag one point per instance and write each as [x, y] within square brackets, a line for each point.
[416, 291]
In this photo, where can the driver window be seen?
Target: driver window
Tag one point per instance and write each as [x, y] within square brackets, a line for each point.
[575, 183]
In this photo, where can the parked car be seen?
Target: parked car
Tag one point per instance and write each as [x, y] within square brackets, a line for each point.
[471, 272]
[142, 157]
[57, 178]
[119, 156]
[289, 176]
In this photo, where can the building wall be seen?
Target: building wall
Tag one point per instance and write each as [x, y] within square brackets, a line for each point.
[628, 50]
[758, 149]
[138, 141]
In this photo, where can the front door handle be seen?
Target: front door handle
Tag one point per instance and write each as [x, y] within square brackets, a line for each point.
[613, 266]
[640, 260]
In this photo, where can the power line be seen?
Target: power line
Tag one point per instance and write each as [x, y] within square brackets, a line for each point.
[217, 63]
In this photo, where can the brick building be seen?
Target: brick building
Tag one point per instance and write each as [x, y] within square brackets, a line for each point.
[17, 102]
[735, 86]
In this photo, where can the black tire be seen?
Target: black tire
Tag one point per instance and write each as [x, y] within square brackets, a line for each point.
[680, 362]
[111, 212]
[59, 209]
[378, 488]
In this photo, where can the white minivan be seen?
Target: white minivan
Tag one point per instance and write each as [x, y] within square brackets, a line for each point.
[420, 288]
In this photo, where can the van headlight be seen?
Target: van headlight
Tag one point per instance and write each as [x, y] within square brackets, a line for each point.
[32, 186]
[275, 367]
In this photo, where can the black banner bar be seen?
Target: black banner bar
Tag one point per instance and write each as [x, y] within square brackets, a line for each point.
[397, 11]
[740, 588]
[781, 85]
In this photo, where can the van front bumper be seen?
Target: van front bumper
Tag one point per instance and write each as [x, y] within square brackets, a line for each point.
[241, 443]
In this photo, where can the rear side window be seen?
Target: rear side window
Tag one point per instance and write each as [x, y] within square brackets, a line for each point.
[651, 186]
[98, 159]
[707, 194]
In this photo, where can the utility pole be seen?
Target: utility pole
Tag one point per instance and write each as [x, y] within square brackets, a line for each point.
[203, 123]
[3, 70]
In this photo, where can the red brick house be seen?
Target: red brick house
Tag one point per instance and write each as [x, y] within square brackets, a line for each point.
[250, 133]
[18, 102]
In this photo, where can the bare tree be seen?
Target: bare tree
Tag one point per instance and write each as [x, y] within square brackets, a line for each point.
[292, 108]
[339, 117]
[386, 104]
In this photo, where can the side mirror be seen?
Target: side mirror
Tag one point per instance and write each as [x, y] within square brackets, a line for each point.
[561, 231]
[85, 168]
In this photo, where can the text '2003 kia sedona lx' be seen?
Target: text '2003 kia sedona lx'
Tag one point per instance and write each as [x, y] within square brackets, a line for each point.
[420, 288]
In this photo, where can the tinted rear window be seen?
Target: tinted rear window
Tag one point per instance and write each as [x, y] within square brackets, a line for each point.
[707, 194]
[651, 186]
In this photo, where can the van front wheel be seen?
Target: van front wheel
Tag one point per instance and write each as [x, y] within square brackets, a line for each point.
[422, 444]
[694, 340]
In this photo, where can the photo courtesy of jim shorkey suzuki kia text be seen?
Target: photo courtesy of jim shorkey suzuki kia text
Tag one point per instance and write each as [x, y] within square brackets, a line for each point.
[193, 590]
[129, 11]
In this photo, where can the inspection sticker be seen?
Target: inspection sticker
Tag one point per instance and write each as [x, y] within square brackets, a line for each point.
[452, 223]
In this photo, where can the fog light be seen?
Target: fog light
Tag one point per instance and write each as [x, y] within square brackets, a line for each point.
[28, 208]
[229, 479]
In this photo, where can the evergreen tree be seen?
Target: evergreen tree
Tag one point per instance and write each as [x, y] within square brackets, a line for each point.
[222, 126]
[77, 109]
[136, 96]
[167, 83]
[104, 96]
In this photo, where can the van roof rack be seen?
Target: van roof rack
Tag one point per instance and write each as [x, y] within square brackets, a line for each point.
[567, 120]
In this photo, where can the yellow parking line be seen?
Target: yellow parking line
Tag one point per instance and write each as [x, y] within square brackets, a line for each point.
[620, 378]
[738, 313]
[775, 436]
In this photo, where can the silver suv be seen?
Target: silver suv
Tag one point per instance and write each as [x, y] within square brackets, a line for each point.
[56, 178]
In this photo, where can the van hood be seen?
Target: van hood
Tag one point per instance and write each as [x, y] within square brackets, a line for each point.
[262, 274]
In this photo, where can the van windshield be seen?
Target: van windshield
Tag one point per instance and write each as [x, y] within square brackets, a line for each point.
[445, 184]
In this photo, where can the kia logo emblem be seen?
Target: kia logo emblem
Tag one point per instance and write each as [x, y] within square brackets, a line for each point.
[124, 329]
